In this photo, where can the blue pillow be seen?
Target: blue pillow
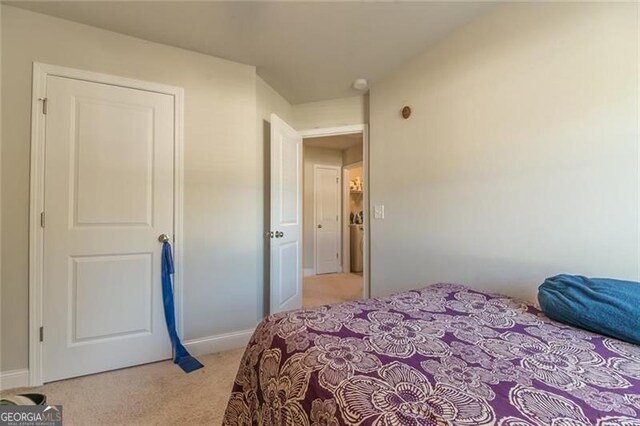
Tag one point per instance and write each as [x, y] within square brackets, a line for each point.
[605, 306]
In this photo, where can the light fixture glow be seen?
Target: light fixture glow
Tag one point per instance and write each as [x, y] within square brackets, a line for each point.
[361, 84]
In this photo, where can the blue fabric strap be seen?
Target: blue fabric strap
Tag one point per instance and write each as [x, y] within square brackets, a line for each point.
[180, 353]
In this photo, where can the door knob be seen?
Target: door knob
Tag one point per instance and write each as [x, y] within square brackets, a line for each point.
[319, 226]
[279, 234]
[164, 238]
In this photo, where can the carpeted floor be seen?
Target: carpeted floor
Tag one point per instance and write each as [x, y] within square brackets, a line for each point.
[160, 393]
[151, 394]
[331, 288]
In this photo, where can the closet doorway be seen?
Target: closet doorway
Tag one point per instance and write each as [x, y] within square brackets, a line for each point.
[353, 217]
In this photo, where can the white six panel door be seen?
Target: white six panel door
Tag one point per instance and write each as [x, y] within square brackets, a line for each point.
[327, 213]
[286, 217]
[108, 195]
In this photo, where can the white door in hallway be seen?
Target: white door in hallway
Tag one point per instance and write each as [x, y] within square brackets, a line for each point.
[326, 188]
[109, 186]
[286, 217]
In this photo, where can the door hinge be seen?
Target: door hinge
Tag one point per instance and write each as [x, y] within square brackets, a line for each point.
[337, 180]
[337, 255]
[45, 105]
[42, 219]
[42, 334]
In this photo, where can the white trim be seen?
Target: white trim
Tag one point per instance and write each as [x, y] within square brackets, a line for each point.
[14, 379]
[346, 221]
[349, 130]
[309, 272]
[366, 288]
[178, 207]
[219, 343]
[333, 131]
[40, 73]
[36, 233]
[315, 219]
[346, 212]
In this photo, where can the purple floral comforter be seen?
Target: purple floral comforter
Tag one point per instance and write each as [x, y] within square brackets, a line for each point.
[444, 355]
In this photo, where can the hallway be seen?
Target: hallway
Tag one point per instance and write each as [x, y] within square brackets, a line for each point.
[331, 288]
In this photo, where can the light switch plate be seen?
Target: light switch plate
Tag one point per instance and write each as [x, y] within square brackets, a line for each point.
[378, 211]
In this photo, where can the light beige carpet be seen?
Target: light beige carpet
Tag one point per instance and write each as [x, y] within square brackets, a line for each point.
[151, 394]
[160, 393]
[331, 288]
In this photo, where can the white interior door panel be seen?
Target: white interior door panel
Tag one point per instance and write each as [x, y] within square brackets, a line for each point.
[109, 170]
[286, 217]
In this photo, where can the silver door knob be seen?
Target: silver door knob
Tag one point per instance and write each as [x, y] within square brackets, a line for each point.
[279, 234]
[319, 226]
[164, 238]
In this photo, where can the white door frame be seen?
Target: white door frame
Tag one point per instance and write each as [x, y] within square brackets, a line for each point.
[36, 233]
[350, 130]
[346, 213]
[315, 218]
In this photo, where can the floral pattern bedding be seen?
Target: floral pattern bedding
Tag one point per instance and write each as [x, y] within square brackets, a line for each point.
[443, 355]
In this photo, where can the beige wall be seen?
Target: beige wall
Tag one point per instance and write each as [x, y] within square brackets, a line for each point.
[331, 113]
[352, 155]
[312, 156]
[521, 158]
[268, 101]
[221, 164]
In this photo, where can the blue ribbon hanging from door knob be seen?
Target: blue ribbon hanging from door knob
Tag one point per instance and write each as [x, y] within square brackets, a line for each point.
[181, 356]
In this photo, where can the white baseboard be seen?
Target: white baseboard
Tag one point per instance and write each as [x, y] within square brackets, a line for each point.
[222, 342]
[14, 379]
[219, 343]
[308, 272]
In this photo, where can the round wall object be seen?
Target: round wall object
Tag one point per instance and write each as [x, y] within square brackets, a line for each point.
[361, 84]
[406, 112]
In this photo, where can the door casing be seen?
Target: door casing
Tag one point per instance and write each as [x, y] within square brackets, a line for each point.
[36, 241]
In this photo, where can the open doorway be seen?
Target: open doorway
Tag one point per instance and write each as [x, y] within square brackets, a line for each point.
[334, 216]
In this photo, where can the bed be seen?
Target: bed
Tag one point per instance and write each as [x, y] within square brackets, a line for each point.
[442, 355]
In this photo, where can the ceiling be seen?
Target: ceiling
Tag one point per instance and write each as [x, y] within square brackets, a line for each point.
[341, 142]
[307, 51]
